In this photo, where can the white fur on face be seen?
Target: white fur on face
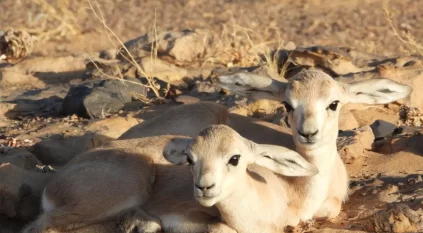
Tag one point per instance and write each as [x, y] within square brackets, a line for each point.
[212, 169]
[311, 114]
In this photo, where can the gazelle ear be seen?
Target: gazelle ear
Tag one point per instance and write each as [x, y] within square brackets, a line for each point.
[376, 91]
[252, 85]
[281, 160]
[174, 151]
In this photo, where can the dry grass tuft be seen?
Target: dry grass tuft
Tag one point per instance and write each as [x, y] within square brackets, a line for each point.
[410, 116]
[410, 43]
[117, 42]
[55, 22]
[241, 46]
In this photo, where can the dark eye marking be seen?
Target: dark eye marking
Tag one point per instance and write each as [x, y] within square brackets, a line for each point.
[189, 160]
[288, 107]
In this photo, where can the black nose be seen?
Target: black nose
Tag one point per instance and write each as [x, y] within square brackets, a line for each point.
[203, 188]
[308, 135]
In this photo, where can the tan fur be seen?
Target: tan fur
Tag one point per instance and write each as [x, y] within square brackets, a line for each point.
[91, 185]
[317, 84]
[250, 197]
[312, 94]
[257, 131]
[264, 132]
[303, 188]
[193, 117]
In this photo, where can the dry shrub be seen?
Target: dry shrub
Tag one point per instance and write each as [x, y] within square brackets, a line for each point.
[241, 46]
[410, 116]
[56, 21]
[124, 52]
[410, 45]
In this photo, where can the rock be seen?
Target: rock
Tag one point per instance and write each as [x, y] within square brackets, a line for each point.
[98, 100]
[186, 99]
[58, 150]
[347, 120]
[20, 157]
[352, 143]
[16, 79]
[108, 54]
[290, 46]
[404, 139]
[399, 218]
[105, 69]
[162, 70]
[150, 67]
[183, 46]
[23, 107]
[9, 225]
[262, 109]
[382, 128]
[12, 110]
[336, 61]
[20, 191]
[204, 87]
[54, 66]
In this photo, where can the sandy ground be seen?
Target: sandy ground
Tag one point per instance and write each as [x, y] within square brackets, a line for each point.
[378, 180]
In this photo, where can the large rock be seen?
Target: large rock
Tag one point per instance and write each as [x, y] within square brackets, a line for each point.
[162, 70]
[399, 219]
[12, 110]
[21, 158]
[10, 79]
[353, 143]
[183, 46]
[347, 120]
[100, 99]
[20, 191]
[22, 107]
[150, 67]
[382, 128]
[58, 150]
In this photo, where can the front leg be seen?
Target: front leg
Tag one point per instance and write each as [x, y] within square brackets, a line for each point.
[330, 209]
[339, 187]
[141, 221]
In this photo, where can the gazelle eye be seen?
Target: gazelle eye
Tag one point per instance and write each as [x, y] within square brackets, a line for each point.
[189, 160]
[334, 105]
[288, 107]
[234, 160]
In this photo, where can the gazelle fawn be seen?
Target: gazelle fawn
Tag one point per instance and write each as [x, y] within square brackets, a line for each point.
[250, 198]
[313, 100]
[129, 184]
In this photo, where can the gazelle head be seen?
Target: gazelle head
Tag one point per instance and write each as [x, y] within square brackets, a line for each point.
[313, 100]
[219, 157]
